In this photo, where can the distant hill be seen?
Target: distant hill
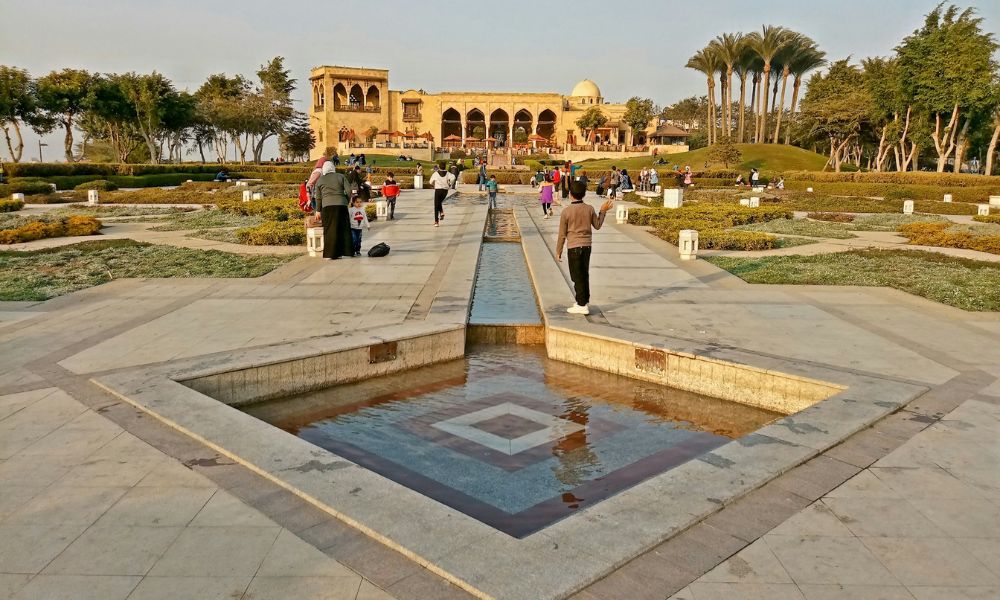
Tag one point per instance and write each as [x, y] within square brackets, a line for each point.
[766, 157]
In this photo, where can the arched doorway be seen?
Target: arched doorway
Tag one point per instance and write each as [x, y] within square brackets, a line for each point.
[546, 124]
[372, 100]
[475, 125]
[339, 96]
[356, 98]
[451, 123]
[522, 126]
[499, 126]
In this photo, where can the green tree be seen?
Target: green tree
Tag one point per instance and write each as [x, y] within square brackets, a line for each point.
[725, 151]
[706, 61]
[297, 140]
[271, 103]
[767, 44]
[591, 119]
[108, 117]
[63, 95]
[222, 107]
[638, 113]
[149, 97]
[805, 60]
[836, 107]
[18, 105]
[729, 48]
[948, 70]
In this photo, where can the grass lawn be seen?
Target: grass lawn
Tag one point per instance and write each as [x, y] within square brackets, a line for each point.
[44, 274]
[818, 229]
[967, 284]
[208, 219]
[770, 157]
[118, 211]
[890, 221]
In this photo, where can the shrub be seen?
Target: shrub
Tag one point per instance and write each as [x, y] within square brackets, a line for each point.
[102, 185]
[271, 209]
[40, 229]
[898, 191]
[940, 235]
[370, 212]
[503, 176]
[8, 205]
[833, 217]
[274, 233]
[28, 187]
[908, 178]
[853, 204]
[736, 240]
[995, 218]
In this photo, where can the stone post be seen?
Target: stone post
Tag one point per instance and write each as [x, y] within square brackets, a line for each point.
[754, 202]
[17, 196]
[947, 197]
[258, 195]
[247, 194]
[314, 241]
[673, 197]
[621, 214]
[907, 207]
[93, 197]
[381, 208]
[995, 201]
[984, 210]
[687, 244]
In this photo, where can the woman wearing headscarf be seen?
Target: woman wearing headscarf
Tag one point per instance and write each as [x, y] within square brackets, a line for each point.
[313, 177]
[331, 203]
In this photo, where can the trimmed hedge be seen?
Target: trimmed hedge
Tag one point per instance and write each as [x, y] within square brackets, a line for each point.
[102, 185]
[826, 203]
[8, 205]
[28, 187]
[274, 233]
[271, 209]
[712, 221]
[41, 229]
[898, 191]
[831, 217]
[940, 235]
[994, 218]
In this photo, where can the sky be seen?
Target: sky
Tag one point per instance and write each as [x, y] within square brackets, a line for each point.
[636, 48]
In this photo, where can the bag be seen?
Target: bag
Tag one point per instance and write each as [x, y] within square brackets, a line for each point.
[305, 202]
[378, 250]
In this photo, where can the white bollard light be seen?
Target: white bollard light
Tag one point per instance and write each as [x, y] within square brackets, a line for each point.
[381, 208]
[247, 194]
[984, 209]
[621, 214]
[687, 244]
[673, 198]
[314, 241]
[947, 197]
[754, 202]
[258, 195]
[907, 207]
[995, 201]
[744, 201]
[17, 196]
[93, 197]
[242, 184]
[809, 189]
[418, 182]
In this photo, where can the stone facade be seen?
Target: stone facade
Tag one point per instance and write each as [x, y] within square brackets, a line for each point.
[348, 102]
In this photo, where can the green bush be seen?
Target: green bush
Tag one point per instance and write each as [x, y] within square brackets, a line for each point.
[371, 212]
[994, 218]
[939, 234]
[274, 233]
[919, 178]
[898, 191]
[49, 228]
[102, 185]
[28, 187]
[735, 240]
[8, 205]
[271, 209]
[817, 202]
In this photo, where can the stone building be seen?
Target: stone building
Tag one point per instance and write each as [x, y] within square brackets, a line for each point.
[349, 104]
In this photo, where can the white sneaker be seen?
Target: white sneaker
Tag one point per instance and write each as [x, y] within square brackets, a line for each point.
[576, 309]
[546, 216]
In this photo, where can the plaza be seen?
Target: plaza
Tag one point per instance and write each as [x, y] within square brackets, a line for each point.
[127, 465]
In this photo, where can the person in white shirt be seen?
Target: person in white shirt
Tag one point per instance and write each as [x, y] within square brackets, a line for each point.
[441, 182]
[359, 219]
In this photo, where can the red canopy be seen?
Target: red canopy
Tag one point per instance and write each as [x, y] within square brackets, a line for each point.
[453, 138]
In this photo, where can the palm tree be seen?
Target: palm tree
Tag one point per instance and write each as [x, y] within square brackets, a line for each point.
[797, 43]
[707, 61]
[743, 68]
[756, 72]
[805, 60]
[728, 47]
[767, 44]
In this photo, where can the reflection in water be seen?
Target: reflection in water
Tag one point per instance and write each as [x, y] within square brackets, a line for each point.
[510, 437]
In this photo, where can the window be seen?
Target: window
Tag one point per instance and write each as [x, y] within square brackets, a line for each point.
[411, 110]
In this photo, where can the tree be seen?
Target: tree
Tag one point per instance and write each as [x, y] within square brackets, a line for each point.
[297, 139]
[799, 46]
[638, 113]
[590, 120]
[109, 117]
[804, 61]
[947, 68]
[835, 107]
[180, 115]
[707, 61]
[743, 67]
[18, 106]
[149, 98]
[766, 44]
[729, 47]
[370, 133]
[63, 95]
[725, 151]
[272, 103]
[222, 107]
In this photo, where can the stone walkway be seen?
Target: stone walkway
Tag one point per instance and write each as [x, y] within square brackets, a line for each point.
[90, 510]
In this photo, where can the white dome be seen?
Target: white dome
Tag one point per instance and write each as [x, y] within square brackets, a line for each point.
[587, 89]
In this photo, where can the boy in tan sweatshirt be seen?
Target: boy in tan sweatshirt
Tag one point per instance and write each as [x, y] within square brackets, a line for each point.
[575, 231]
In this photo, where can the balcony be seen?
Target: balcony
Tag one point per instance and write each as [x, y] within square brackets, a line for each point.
[412, 118]
[357, 108]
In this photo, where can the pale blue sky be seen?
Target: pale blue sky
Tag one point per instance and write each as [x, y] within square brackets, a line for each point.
[628, 48]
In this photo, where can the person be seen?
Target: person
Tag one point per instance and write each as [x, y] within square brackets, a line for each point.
[688, 182]
[331, 205]
[555, 176]
[354, 179]
[362, 159]
[654, 179]
[754, 177]
[482, 175]
[440, 181]
[222, 175]
[454, 171]
[491, 189]
[781, 183]
[739, 180]
[575, 232]
[616, 180]
[545, 193]
[565, 178]
[351, 159]
[572, 170]
[390, 189]
[359, 219]
[643, 180]
[582, 178]
[538, 178]
[626, 182]
[313, 178]
[336, 160]
[602, 185]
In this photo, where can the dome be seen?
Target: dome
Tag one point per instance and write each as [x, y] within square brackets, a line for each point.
[587, 89]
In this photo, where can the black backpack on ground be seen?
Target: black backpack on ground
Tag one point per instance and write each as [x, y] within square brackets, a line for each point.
[378, 250]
